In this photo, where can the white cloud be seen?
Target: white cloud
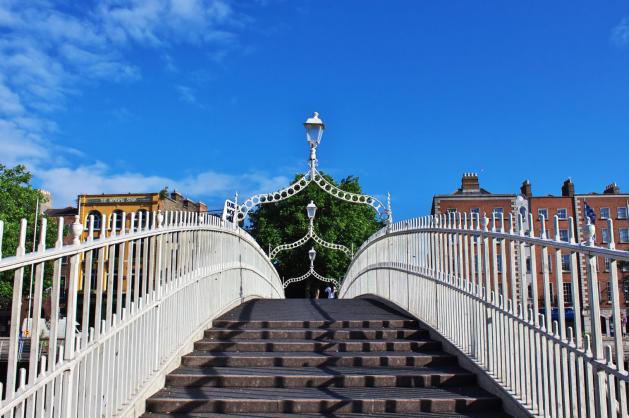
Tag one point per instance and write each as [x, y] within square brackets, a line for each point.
[49, 52]
[66, 183]
[186, 94]
[620, 33]
[166, 21]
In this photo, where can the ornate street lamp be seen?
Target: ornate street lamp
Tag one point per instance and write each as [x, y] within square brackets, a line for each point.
[237, 212]
[311, 209]
[312, 254]
[314, 130]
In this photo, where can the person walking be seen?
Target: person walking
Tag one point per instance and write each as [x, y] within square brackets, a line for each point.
[330, 292]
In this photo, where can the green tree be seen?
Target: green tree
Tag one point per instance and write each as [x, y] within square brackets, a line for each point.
[18, 200]
[336, 221]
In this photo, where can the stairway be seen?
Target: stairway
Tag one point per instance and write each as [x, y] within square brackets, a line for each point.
[314, 358]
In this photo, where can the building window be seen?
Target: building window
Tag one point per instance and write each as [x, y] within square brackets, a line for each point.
[475, 210]
[498, 212]
[499, 262]
[604, 213]
[609, 292]
[98, 219]
[605, 235]
[608, 263]
[563, 235]
[145, 218]
[565, 262]
[542, 212]
[118, 214]
[64, 260]
[624, 235]
[528, 265]
[562, 213]
[567, 293]
[621, 212]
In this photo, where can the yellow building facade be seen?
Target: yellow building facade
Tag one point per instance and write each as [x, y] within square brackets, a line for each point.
[143, 206]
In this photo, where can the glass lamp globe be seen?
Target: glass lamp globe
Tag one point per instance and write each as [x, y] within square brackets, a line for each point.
[314, 129]
[312, 254]
[311, 209]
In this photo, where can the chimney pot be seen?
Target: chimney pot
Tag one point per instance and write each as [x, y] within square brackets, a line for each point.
[612, 188]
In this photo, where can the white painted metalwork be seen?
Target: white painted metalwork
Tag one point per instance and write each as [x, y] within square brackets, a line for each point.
[155, 287]
[314, 132]
[464, 278]
[311, 234]
[311, 272]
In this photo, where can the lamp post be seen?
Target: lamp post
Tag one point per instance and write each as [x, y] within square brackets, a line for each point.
[312, 254]
[311, 210]
[314, 132]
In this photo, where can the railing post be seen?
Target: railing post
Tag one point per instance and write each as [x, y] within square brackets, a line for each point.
[600, 380]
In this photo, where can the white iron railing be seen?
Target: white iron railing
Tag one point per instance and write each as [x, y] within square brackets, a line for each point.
[146, 291]
[464, 279]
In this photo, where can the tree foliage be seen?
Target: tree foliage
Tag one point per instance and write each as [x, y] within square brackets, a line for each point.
[18, 200]
[336, 221]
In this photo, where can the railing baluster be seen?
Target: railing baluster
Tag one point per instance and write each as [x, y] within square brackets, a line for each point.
[14, 328]
[618, 331]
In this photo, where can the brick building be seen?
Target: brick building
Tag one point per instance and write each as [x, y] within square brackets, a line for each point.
[569, 209]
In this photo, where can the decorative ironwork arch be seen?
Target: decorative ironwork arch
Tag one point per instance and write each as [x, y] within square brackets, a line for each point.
[313, 176]
[310, 235]
[313, 273]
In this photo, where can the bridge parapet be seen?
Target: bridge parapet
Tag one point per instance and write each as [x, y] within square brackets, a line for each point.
[141, 294]
[479, 286]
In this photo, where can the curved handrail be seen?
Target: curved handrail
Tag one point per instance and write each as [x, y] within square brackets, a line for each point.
[463, 277]
[137, 278]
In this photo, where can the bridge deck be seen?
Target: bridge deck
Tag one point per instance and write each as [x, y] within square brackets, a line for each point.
[305, 357]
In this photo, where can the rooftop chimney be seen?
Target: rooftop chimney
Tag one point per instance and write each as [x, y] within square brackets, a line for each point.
[469, 183]
[612, 189]
[525, 189]
[568, 188]
[176, 196]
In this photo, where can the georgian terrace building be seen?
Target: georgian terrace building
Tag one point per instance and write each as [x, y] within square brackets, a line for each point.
[611, 204]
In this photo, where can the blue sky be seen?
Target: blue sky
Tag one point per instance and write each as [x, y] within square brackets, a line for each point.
[209, 97]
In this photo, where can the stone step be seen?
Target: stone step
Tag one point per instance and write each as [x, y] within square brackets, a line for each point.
[316, 334]
[316, 346]
[329, 415]
[322, 400]
[370, 324]
[288, 359]
[301, 377]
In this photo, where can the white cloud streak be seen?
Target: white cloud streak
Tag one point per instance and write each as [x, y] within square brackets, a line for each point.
[65, 183]
[620, 33]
